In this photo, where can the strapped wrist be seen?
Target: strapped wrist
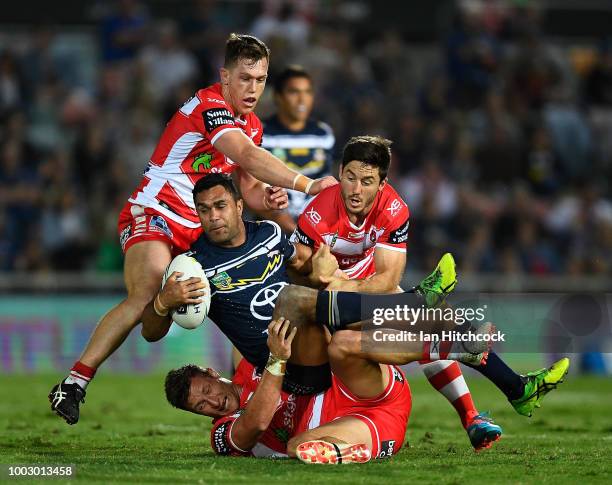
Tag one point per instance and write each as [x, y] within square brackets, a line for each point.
[159, 308]
[301, 183]
[276, 366]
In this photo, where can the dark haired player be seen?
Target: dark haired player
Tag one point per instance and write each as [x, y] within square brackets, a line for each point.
[246, 263]
[362, 415]
[215, 131]
[364, 222]
[303, 143]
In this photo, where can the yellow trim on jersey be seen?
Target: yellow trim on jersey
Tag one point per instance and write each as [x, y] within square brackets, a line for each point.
[276, 261]
[311, 164]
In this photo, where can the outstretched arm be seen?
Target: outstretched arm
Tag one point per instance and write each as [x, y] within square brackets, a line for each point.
[260, 409]
[264, 166]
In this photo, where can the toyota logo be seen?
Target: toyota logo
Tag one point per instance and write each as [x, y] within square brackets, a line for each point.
[264, 298]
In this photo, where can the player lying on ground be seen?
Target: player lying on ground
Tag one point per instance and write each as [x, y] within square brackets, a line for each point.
[363, 414]
[246, 265]
[214, 131]
[365, 224]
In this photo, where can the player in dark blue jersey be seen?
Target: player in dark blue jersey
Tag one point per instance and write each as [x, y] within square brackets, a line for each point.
[303, 143]
[246, 264]
[245, 281]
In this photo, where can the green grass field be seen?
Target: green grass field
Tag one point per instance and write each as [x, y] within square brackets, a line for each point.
[129, 434]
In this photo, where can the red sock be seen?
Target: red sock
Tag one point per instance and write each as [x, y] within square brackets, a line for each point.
[436, 350]
[80, 374]
[446, 377]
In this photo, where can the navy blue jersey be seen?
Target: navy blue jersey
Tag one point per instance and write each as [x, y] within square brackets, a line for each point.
[308, 151]
[245, 282]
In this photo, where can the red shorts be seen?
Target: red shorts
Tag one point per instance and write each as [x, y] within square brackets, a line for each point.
[386, 415]
[138, 223]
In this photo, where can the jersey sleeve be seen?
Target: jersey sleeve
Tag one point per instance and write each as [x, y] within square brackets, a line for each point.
[221, 437]
[212, 117]
[258, 129]
[306, 231]
[288, 248]
[395, 236]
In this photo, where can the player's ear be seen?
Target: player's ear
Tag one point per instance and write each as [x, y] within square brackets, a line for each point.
[212, 372]
[239, 206]
[382, 184]
[340, 171]
[224, 75]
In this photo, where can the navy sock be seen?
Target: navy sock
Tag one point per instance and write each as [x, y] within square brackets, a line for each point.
[508, 381]
[337, 309]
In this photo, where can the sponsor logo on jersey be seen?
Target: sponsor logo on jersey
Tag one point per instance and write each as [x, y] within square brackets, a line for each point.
[333, 241]
[262, 304]
[386, 449]
[125, 235]
[158, 223]
[214, 100]
[254, 132]
[290, 407]
[373, 235]
[395, 207]
[216, 117]
[397, 375]
[202, 160]
[222, 281]
[400, 235]
[220, 441]
[300, 237]
[314, 216]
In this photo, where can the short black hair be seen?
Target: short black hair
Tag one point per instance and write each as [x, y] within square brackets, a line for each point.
[242, 46]
[372, 150]
[212, 180]
[289, 72]
[178, 382]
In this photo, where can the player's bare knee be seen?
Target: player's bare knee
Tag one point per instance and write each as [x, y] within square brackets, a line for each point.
[296, 303]
[344, 343]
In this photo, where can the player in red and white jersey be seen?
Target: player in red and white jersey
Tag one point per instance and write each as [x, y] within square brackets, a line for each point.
[215, 131]
[354, 244]
[364, 222]
[186, 152]
[362, 415]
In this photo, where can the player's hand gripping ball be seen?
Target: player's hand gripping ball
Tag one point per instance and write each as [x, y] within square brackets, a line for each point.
[188, 314]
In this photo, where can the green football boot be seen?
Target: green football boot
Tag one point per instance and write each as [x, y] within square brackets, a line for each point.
[538, 384]
[439, 284]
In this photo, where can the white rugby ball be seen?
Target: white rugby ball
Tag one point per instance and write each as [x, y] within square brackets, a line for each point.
[192, 315]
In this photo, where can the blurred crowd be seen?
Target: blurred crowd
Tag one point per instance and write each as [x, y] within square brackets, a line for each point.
[502, 136]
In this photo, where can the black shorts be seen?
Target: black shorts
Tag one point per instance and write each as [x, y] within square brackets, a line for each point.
[307, 379]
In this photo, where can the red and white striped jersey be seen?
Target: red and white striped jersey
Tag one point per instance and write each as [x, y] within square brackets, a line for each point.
[325, 221]
[186, 152]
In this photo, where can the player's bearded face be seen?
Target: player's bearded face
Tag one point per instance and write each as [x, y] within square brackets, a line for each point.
[220, 215]
[359, 183]
[297, 99]
[243, 84]
[212, 396]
